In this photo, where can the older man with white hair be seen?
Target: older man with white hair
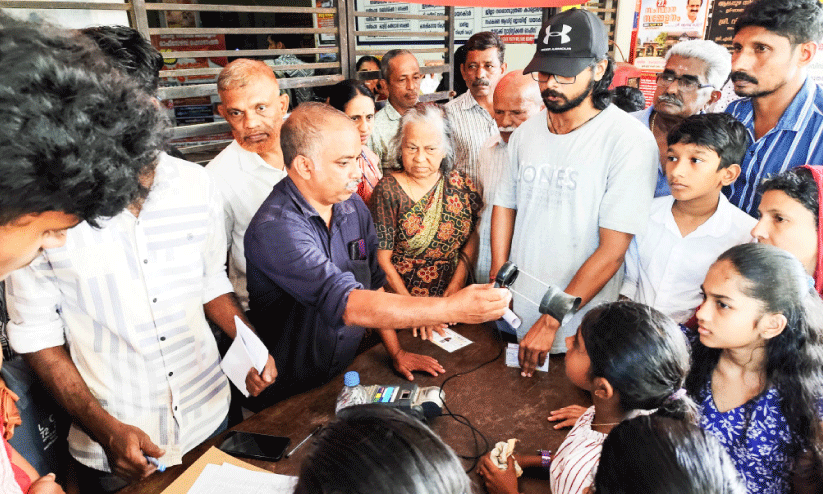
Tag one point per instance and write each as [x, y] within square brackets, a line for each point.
[694, 75]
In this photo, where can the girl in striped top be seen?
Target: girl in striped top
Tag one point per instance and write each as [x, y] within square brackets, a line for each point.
[634, 361]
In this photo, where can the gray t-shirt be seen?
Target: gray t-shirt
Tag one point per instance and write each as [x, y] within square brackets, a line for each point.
[565, 188]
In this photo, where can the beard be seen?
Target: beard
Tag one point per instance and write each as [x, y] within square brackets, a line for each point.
[566, 104]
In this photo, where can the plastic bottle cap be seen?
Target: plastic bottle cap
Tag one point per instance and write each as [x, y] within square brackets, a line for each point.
[351, 378]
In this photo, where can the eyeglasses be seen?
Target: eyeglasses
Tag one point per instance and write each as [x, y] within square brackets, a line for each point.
[686, 83]
[543, 77]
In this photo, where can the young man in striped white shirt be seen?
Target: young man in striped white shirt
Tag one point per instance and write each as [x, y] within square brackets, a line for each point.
[57, 172]
[128, 298]
[470, 114]
[774, 43]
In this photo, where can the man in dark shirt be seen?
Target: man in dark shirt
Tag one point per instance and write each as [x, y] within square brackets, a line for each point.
[313, 278]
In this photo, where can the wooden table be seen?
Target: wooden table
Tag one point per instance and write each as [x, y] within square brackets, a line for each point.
[496, 400]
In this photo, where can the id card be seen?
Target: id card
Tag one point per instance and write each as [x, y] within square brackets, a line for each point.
[512, 359]
[450, 341]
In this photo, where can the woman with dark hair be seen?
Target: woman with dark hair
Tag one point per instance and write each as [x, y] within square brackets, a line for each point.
[355, 100]
[790, 217]
[652, 454]
[376, 449]
[757, 366]
[368, 63]
[426, 213]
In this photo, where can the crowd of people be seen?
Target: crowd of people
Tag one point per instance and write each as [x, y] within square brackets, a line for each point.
[692, 239]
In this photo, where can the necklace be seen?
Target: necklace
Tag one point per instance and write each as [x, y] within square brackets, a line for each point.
[651, 123]
[551, 123]
[602, 425]
[408, 184]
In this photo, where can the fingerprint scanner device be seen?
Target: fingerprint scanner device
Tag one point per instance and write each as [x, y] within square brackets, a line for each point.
[505, 277]
[423, 403]
[555, 302]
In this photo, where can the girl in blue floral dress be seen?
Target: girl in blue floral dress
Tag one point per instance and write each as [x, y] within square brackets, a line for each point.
[757, 370]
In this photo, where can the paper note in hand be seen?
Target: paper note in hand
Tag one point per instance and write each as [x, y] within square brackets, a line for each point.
[512, 359]
[450, 341]
[257, 350]
[245, 352]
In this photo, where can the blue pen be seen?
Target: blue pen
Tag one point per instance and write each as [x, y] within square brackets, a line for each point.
[161, 467]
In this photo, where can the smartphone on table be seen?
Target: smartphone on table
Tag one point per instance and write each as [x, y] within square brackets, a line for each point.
[257, 446]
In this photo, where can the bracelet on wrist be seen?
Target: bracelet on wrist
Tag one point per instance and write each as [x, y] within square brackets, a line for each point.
[545, 458]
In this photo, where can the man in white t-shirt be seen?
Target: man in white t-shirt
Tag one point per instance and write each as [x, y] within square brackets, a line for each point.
[248, 168]
[578, 186]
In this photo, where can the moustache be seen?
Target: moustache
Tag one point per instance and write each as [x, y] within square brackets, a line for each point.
[742, 76]
[507, 129]
[353, 184]
[481, 82]
[672, 100]
[546, 93]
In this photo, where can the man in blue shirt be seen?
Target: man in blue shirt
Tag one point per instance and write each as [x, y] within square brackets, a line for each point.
[782, 108]
[313, 278]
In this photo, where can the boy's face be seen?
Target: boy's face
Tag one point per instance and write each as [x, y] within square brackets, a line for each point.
[692, 173]
[22, 239]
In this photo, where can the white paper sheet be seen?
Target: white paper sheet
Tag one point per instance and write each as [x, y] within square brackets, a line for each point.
[219, 479]
[257, 350]
[245, 352]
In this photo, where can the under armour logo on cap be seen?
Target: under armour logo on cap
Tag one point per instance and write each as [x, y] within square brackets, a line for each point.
[563, 33]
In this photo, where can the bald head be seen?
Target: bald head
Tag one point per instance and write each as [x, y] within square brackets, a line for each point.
[516, 99]
[303, 133]
[320, 146]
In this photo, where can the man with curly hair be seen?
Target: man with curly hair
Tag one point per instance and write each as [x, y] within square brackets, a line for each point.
[114, 321]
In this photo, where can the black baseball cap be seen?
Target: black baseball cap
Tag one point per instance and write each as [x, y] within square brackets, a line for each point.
[568, 43]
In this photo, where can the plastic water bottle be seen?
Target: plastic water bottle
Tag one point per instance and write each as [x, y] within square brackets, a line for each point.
[352, 393]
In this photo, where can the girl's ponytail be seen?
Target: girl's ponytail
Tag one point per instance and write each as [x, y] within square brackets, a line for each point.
[680, 406]
[643, 354]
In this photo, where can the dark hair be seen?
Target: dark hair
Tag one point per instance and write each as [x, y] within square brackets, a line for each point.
[621, 335]
[486, 40]
[794, 358]
[75, 134]
[720, 132]
[797, 183]
[364, 59]
[290, 41]
[385, 67]
[661, 455]
[377, 449]
[601, 96]
[629, 99]
[459, 83]
[344, 91]
[130, 53]
[799, 20]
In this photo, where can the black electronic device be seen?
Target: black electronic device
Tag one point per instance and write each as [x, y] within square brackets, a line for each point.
[257, 446]
[423, 403]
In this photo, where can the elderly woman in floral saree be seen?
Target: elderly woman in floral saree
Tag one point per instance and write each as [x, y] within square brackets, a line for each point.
[426, 213]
